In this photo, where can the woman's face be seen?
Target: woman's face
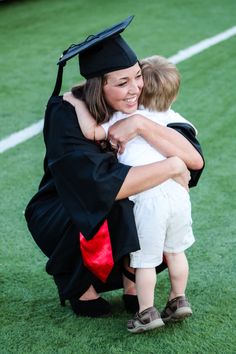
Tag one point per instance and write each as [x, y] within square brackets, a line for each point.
[123, 88]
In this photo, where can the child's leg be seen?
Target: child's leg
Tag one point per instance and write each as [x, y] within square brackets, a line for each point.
[148, 317]
[145, 285]
[178, 273]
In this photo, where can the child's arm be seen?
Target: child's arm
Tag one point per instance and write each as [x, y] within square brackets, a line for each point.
[88, 125]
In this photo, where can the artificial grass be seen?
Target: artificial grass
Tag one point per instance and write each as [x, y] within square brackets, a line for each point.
[31, 319]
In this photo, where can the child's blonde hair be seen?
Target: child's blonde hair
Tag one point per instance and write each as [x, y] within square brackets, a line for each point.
[161, 83]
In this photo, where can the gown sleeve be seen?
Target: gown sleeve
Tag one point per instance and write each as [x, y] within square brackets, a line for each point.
[188, 131]
[87, 180]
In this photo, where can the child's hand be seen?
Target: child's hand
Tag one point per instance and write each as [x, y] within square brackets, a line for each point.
[69, 97]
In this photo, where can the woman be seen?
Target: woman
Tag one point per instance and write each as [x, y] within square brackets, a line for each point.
[83, 193]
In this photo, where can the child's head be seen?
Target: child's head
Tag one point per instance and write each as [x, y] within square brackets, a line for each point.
[161, 83]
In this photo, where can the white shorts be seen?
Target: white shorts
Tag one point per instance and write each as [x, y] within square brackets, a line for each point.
[164, 223]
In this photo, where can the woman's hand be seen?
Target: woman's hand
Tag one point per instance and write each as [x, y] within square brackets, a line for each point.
[123, 131]
[181, 173]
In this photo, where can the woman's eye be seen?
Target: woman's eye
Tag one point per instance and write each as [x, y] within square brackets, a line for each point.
[122, 84]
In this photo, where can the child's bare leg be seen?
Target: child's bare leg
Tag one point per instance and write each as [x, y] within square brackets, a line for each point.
[178, 272]
[145, 285]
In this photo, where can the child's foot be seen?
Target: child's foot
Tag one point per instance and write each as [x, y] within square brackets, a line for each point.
[176, 309]
[145, 321]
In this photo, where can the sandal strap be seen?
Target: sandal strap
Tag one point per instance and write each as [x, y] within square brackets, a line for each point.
[128, 274]
[147, 315]
[179, 301]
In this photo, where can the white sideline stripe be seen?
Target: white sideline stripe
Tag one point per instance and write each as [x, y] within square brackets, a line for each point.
[21, 136]
[201, 46]
[27, 133]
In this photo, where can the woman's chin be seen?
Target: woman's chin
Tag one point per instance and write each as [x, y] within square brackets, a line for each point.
[130, 110]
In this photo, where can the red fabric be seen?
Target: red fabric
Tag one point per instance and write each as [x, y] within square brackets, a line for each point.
[97, 253]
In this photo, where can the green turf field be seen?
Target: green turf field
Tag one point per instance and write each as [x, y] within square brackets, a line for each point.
[32, 35]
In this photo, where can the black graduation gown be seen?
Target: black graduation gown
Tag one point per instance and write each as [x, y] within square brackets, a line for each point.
[76, 194]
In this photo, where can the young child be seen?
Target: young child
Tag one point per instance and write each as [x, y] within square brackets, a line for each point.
[163, 213]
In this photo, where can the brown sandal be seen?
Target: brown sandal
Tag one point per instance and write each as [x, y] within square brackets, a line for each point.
[145, 321]
[176, 309]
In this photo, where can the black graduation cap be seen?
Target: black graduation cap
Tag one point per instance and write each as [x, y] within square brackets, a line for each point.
[99, 54]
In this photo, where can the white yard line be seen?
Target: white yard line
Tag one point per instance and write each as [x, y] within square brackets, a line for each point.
[27, 133]
[203, 45]
[21, 136]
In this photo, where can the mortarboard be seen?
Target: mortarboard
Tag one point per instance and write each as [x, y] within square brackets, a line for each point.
[99, 54]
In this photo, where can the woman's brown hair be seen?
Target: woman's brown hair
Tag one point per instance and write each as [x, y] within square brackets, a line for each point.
[91, 92]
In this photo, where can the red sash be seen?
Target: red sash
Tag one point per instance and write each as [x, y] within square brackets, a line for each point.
[97, 253]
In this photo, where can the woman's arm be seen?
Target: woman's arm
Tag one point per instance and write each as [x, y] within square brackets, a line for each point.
[87, 123]
[166, 140]
[141, 178]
